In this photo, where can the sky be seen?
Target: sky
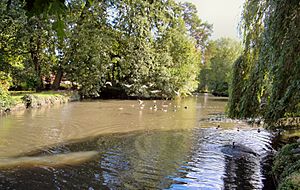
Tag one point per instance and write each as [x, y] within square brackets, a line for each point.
[223, 14]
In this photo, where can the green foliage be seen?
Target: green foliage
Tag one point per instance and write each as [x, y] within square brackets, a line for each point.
[199, 30]
[141, 53]
[285, 159]
[141, 48]
[39, 99]
[217, 69]
[236, 90]
[287, 167]
[271, 58]
[295, 167]
[292, 182]
[5, 100]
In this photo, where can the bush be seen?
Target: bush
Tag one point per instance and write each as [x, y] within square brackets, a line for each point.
[285, 158]
[5, 99]
[292, 182]
[295, 167]
[287, 167]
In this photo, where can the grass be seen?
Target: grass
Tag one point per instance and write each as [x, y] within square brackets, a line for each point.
[18, 95]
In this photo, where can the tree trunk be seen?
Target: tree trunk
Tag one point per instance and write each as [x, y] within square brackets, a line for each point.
[34, 52]
[57, 80]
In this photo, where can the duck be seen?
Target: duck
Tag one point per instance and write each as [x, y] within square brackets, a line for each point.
[140, 102]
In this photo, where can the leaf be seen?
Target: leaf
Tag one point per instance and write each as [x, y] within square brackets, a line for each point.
[59, 27]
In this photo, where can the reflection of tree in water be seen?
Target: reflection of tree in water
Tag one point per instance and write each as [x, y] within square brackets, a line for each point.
[153, 160]
[241, 172]
[138, 161]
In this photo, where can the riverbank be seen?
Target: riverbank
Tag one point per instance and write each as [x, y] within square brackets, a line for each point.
[26, 100]
[286, 162]
[286, 167]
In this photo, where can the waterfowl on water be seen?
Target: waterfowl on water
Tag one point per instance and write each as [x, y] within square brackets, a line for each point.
[165, 105]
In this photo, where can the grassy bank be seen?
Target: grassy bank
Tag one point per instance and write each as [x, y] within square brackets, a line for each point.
[19, 100]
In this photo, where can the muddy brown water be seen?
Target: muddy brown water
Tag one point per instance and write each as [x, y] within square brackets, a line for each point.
[119, 144]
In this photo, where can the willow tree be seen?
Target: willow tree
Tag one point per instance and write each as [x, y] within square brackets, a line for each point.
[267, 73]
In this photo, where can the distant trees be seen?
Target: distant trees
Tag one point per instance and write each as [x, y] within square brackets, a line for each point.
[216, 72]
[142, 48]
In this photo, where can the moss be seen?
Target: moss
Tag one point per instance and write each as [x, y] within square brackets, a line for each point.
[286, 167]
[294, 167]
[285, 158]
[291, 182]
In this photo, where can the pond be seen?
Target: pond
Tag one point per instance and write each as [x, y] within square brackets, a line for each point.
[130, 144]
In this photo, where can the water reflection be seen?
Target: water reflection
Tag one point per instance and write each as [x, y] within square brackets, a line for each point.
[210, 168]
[131, 148]
[74, 122]
[156, 160]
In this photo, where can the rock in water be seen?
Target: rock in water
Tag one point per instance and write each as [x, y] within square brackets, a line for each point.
[237, 150]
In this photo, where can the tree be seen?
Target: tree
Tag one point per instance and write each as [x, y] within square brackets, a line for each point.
[140, 48]
[200, 31]
[270, 62]
[216, 73]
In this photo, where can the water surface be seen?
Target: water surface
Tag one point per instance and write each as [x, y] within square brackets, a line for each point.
[114, 144]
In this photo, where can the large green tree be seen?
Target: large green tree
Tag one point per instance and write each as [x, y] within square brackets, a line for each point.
[140, 48]
[267, 74]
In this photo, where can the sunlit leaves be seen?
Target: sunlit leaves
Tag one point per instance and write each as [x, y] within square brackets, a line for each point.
[217, 69]
[142, 48]
[271, 60]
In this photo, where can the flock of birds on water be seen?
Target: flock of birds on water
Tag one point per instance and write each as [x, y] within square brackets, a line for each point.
[165, 106]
